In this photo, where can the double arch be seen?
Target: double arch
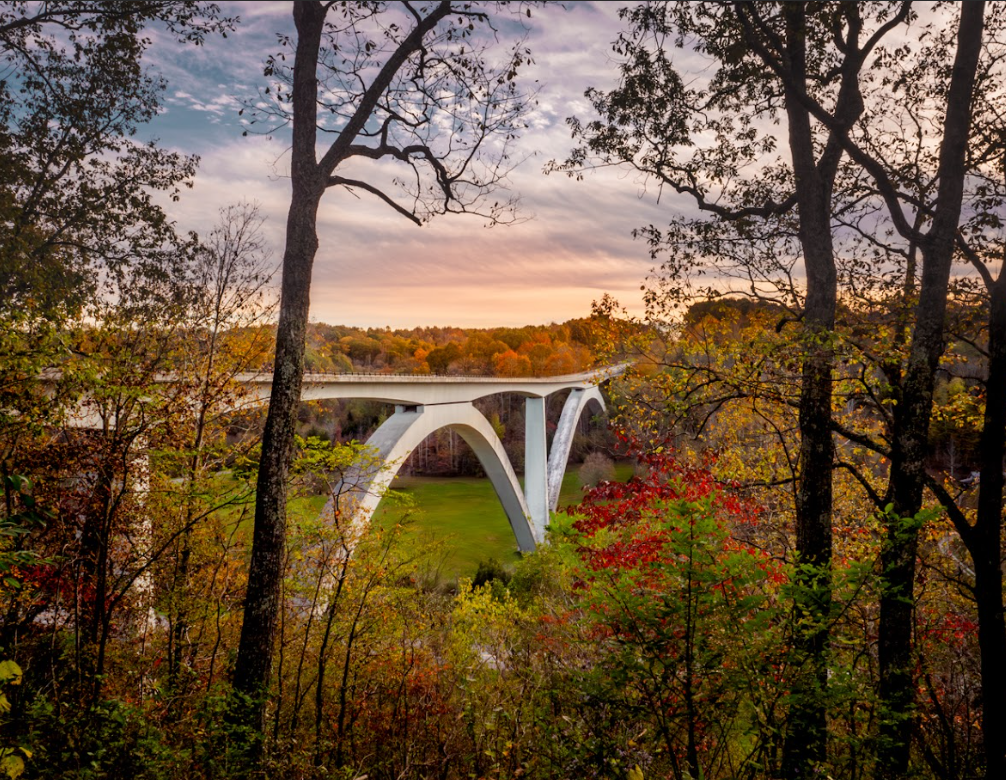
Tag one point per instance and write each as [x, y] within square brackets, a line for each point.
[527, 510]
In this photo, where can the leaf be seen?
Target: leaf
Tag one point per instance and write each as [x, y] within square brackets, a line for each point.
[11, 765]
[10, 672]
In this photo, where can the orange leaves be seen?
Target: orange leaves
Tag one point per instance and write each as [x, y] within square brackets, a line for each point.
[546, 350]
[509, 363]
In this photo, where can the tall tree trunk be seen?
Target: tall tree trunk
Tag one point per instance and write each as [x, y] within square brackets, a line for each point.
[806, 738]
[986, 546]
[912, 414]
[310, 176]
[253, 666]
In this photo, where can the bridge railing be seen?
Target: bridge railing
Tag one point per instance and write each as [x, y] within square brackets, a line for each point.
[597, 373]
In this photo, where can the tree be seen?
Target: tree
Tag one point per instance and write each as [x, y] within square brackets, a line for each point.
[228, 277]
[155, 363]
[980, 240]
[912, 412]
[77, 187]
[411, 87]
[97, 480]
[822, 65]
[686, 617]
[769, 58]
[77, 190]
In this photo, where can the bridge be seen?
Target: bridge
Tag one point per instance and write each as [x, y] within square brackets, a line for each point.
[425, 404]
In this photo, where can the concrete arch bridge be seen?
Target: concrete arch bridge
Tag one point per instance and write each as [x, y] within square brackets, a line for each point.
[425, 404]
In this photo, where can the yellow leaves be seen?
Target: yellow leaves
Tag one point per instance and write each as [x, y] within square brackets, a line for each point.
[10, 673]
[483, 603]
[484, 620]
[11, 764]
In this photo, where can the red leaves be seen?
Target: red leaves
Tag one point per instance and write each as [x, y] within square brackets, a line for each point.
[950, 626]
[662, 479]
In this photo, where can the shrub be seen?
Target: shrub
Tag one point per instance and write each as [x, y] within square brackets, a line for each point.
[490, 571]
[597, 468]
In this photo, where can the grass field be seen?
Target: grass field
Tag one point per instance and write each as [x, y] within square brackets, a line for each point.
[465, 515]
[461, 514]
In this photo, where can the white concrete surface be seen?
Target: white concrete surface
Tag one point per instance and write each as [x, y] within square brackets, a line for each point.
[425, 389]
[405, 430]
[536, 464]
[562, 441]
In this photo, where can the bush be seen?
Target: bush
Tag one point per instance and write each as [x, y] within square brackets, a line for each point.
[109, 739]
[490, 571]
[598, 467]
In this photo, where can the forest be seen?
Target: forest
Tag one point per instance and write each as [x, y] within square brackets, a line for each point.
[798, 573]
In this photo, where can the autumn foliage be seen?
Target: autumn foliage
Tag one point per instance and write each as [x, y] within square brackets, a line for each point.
[685, 608]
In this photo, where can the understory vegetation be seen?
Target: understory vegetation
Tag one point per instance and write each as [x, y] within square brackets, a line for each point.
[650, 637]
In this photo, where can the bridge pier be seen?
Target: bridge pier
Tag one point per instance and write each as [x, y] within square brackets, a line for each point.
[536, 465]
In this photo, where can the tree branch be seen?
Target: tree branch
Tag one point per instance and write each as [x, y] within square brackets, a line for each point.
[875, 497]
[873, 166]
[338, 151]
[335, 181]
[960, 522]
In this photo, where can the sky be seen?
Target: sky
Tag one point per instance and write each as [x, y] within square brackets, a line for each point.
[374, 268]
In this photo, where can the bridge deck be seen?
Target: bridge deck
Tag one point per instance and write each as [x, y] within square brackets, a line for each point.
[427, 389]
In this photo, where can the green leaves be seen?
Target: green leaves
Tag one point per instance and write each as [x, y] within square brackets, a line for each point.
[685, 617]
[15, 526]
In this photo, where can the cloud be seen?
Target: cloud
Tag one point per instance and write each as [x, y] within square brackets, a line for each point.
[376, 268]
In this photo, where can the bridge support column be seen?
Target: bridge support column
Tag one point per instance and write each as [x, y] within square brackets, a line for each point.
[579, 399]
[143, 540]
[536, 465]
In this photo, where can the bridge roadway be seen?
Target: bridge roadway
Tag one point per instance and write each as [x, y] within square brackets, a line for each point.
[426, 403]
[425, 389]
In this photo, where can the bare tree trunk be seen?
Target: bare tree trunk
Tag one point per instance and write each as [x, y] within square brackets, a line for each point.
[805, 746]
[365, 91]
[986, 543]
[912, 413]
[258, 630]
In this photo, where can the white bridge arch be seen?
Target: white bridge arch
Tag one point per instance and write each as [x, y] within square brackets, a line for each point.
[427, 404]
[527, 510]
[579, 400]
[405, 430]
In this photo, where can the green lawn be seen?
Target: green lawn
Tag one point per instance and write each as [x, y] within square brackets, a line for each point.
[460, 513]
[465, 514]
